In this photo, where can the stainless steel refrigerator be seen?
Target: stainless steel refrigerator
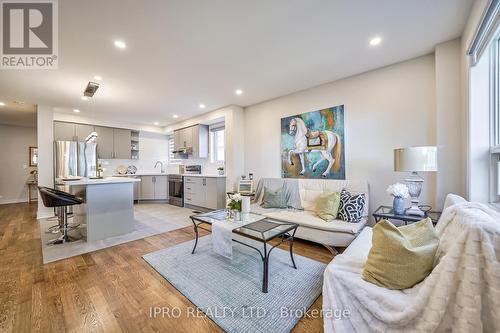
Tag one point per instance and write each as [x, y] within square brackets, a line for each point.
[74, 158]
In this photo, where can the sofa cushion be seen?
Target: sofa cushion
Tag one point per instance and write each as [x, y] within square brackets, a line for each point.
[327, 206]
[309, 219]
[401, 257]
[352, 206]
[311, 189]
[273, 198]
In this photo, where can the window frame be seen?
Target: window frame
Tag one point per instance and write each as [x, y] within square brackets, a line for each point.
[214, 158]
[495, 122]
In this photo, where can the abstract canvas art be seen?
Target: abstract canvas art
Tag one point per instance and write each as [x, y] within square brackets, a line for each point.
[312, 144]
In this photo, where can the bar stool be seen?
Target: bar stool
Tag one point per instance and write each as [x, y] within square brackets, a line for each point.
[56, 198]
[57, 228]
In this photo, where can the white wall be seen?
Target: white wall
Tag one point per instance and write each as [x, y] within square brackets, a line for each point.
[15, 168]
[45, 138]
[387, 108]
[450, 133]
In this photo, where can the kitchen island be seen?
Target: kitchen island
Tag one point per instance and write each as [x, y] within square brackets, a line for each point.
[108, 208]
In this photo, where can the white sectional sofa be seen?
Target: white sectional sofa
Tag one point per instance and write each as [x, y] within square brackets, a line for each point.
[331, 234]
[453, 298]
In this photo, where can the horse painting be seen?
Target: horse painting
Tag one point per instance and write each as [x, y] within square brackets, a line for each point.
[321, 148]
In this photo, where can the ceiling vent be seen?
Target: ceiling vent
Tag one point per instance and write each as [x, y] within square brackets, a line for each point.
[91, 89]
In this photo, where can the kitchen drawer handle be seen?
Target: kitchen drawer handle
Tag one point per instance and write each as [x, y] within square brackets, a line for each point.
[188, 188]
[188, 199]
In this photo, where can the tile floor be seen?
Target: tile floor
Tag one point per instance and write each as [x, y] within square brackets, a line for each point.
[151, 219]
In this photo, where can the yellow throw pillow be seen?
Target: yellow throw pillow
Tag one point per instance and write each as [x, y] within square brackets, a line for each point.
[327, 205]
[401, 257]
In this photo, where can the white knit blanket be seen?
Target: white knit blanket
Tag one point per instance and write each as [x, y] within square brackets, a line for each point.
[462, 294]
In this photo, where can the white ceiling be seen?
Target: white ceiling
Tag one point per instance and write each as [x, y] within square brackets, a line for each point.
[16, 114]
[182, 53]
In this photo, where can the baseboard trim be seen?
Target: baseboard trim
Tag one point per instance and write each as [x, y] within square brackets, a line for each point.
[12, 201]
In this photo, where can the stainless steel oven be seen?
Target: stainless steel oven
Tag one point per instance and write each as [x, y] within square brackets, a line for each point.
[175, 190]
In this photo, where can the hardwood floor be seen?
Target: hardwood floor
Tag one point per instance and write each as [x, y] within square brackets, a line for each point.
[111, 290]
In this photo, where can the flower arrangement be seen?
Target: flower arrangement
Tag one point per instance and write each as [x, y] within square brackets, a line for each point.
[234, 202]
[398, 190]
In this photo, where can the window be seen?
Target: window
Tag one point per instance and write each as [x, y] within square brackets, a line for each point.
[495, 121]
[171, 155]
[217, 143]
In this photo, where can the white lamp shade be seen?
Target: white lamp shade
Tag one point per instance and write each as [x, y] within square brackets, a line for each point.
[415, 159]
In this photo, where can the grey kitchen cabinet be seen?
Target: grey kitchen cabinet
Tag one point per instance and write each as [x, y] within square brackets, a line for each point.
[64, 131]
[111, 142]
[161, 190]
[82, 131]
[212, 196]
[147, 188]
[121, 143]
[153, 188]
[194, 139]
[187, 137]
[205, 192]
[200, 141]
[177, 140]
[104, 142]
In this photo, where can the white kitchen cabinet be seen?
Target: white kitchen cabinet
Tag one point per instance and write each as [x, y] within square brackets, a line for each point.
[205, 192]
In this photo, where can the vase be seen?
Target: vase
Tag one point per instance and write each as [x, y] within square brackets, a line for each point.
[398, 205]
[245, 204]
[237, 215]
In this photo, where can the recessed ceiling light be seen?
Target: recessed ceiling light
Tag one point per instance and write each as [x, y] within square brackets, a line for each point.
[84, 98]
[375, 41]
[76, 111]
[239, 91]
[2, 104]
[120, 44]
[97, 78]
[156, 123]
[175, 116]
[202, 106]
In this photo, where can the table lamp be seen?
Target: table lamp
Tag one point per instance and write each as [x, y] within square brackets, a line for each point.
[414, 160]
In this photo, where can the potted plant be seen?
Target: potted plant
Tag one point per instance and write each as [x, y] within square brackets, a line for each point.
[221, 170]
[400, 192]
[234, 205]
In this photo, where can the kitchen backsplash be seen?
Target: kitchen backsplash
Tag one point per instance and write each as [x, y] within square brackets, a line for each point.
[109, 166]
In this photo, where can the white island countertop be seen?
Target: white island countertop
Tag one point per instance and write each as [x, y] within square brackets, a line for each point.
[105, 180]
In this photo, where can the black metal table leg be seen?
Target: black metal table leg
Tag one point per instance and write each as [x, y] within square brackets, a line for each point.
[196, 239]
[291, 247]
[265, 270]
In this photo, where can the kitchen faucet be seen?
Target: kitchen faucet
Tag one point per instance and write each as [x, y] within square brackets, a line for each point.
[161, 164]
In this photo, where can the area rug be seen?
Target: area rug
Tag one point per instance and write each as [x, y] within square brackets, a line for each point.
[229, 291]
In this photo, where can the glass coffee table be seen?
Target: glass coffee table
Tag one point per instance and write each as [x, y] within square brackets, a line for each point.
[259, 228]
